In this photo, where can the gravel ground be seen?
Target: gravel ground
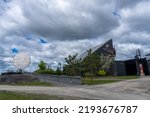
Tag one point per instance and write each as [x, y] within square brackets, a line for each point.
[137, 89]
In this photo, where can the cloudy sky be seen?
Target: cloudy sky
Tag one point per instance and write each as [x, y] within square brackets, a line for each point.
[50, 30]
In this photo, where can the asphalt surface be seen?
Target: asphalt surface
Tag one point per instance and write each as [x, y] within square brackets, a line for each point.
[137, 89]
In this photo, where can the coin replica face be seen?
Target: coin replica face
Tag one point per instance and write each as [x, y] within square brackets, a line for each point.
[22, 60]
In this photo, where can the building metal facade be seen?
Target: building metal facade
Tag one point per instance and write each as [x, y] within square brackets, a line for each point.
[105, 49]
[121, 68]
[129, 67]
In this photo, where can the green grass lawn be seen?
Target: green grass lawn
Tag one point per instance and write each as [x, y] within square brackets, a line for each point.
[105, 79]
[117, 77]
[9, 95]
[94, 82]
[126, 77]
[33, 84]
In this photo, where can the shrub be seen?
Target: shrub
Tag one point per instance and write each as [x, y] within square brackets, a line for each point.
[102, 72]
[88, 74]
[47, 71]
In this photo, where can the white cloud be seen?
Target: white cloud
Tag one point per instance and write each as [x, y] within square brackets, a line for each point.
[71, 27]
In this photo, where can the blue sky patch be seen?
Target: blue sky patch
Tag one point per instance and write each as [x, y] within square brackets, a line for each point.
[42, 41]
[117, 14]
[14, 50]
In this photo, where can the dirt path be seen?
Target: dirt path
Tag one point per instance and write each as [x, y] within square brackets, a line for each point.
[130, 89]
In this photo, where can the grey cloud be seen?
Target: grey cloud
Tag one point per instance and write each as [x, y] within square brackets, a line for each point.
[67, 20]
[137, 18]
[72, 27]
[127, 3]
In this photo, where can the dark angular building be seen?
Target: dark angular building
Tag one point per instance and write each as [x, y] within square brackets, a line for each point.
[120, 68]
[129, 67]
[105, 49]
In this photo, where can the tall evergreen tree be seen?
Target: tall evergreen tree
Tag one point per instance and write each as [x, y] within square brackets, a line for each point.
[73, 65]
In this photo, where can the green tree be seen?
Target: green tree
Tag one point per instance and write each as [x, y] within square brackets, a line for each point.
[90, 64]
[58, 71]
[93, 62]
[42, 65]
[73, 65]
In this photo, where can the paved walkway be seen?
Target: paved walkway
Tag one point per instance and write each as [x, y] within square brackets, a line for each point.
[130, 89]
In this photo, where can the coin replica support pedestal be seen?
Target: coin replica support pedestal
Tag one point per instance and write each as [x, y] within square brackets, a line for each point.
[20, 71]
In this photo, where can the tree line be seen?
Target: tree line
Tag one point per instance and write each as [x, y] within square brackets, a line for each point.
[92, 65]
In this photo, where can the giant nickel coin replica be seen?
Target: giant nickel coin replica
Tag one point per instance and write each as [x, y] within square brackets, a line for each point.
[22, 60]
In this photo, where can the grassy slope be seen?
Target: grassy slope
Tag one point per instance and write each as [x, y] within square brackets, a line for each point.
[94, 82]
[119, 77]
[7, 95]
[33, 84]
[106, 79]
